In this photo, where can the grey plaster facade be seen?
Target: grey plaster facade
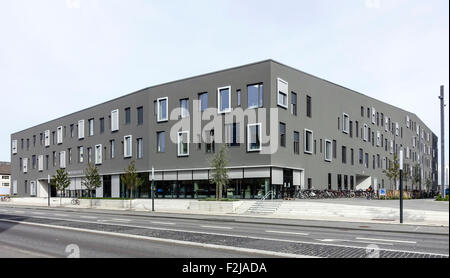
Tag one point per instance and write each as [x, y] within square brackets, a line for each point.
[282, 171]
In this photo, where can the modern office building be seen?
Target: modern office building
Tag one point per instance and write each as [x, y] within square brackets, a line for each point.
[286, 130]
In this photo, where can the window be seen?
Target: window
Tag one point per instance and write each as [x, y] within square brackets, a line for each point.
[80, 129]
[378, 138]
[184, 107]
[33, 162]
[140, 151]
[98, 154]
[308, 106]
[102, 125]
[361, 156]
[112, 148]
[89, 150]
[345, 123]
[282, 134]
[334, 149]
[367, 160]
[127, 115]
[183, 143]
[91, 127]
[328, 150]
[232, 134]
[59, 135]
[362, 111]
[374, 113]
[62, 159]
[203, 99]
[162, 107]
[161, 144]
[41, 163]
[255, 96]
[69, 152]
[344, 154]
[365, 134]
[115, 120]
[357, 129]
[308, 145]
[127, 146]
[224, 99]
[80, 154]
[14, 146]
[238, 93]
[386, 124]
[296, 142]
[351, 129]
[254, 137]
[352, 159]
[293, 103]
[283, 89]
[397, 128]
[210, 144]
[368, 112]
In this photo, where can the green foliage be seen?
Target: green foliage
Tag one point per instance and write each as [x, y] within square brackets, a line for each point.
[61, 180]
[92, 179]
[131, 179]
[439, 198]
[219, 175]
[393, 171]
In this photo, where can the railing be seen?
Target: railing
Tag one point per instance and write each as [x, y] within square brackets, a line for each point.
[270, 193]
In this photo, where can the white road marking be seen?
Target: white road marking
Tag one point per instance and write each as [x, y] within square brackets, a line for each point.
[18, 211]
[349, 240]
[62, 215]
[162, 223]
[289, 233]
[89, 217]
[120, 220]
[217, 227]
[187, 243]
[3, 210]
[40, 213]
[387, 240]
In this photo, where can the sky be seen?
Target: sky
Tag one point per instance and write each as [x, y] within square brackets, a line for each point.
[61, 56]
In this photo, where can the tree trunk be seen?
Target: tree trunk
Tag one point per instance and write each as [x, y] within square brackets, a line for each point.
[131, 194]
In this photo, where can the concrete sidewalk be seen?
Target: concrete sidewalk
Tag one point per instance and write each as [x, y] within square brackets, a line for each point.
[348, 210]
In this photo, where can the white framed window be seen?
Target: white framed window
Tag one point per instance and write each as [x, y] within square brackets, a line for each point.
[91, 127]
[407, 153]
[345, 123]
[386, 124]
[378, 138]
[112, 148]
[128, 146]
[40, 163]
[81, 154]
[14, 187]
[374, 118]
[59, 135]
[282, 95]
[308, 141]
[254, 137]
[62, 159]
[407, 121]
[224, 99]
[25, 165]
[98, 154]
[162, 109]
[396, 129]
[255, 95]
[80, 129]
[47, 138]
[140, 148]
[115, 120]
[184, 106]
[328, 150]
[417, 129]
[391, 149]
[183, 143]
[365, 132]
[33, 188]
[14, 146]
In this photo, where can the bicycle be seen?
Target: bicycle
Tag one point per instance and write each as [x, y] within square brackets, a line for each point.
[5, 199]
[75, 201]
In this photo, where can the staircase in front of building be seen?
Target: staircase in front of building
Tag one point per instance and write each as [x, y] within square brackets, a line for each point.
[265, 205]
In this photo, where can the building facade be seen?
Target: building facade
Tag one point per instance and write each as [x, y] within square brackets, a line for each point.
[5, 178]
[285, 130]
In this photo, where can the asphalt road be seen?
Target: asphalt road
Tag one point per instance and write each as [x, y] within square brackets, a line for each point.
[35, 232]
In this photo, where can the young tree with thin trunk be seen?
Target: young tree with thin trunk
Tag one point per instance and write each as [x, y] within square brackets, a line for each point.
[393, 171]
[91, 180]
[131, 179]
[219, 175]
[60, 181]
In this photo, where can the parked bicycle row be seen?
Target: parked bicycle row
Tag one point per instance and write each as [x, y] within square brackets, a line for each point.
[332, 194]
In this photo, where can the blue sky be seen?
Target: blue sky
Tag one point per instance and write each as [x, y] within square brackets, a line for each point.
[60, 56]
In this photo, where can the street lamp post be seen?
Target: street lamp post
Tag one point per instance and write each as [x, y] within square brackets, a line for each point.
[48, 190]
[153, 188]
[401, 186]
[441, 97]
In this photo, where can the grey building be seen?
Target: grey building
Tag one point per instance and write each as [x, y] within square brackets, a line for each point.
[286, 130]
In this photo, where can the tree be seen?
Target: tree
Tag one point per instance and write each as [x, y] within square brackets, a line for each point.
[219, 175]
[131, 180]
[406, 174]
[416, 174]
[92, 179]
[393, 171]
[60, 181]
